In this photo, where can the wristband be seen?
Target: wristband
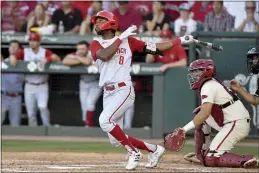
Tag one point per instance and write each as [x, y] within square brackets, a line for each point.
[176, 41]
[189, 126]
[49, 59]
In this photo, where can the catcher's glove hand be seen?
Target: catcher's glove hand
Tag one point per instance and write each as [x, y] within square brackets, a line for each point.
[176, 140]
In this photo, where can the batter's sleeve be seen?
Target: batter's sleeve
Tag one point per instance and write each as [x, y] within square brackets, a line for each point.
[208, 92]
[136, 45]
[94, 47]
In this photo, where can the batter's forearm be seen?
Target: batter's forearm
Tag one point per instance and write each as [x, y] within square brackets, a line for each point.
[107, 53]
[249, 97]
[168, 44]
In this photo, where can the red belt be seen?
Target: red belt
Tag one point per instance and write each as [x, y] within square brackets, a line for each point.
[36, 83]
[112, 87]
[11, 94]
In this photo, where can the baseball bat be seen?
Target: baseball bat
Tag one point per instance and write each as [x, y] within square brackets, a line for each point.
[209, 45]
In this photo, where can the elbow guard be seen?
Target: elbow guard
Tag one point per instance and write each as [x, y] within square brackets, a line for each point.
[150, 48]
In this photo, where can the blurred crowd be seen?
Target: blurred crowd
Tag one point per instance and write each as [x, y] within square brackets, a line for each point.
[180, 17]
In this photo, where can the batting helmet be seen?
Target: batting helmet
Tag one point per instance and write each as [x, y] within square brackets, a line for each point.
[200, 71]
[112, 22]
[34, 36]
[252, 64]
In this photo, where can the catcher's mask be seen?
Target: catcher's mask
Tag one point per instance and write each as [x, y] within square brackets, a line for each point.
[111, 23]
[252, 60]
[200, 71]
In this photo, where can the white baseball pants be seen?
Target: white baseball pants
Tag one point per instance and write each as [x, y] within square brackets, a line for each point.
[36, 96]
[115, 103]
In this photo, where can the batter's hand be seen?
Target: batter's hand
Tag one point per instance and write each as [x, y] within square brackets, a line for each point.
[187, 39]
[235, 85]
[129, 32]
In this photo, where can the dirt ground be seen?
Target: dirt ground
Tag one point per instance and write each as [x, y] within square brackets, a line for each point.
[95, 162]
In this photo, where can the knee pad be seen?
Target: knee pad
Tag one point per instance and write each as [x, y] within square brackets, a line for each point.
[226, 160]
[105, 124]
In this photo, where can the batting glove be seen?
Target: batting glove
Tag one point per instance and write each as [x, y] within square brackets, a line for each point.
[187, 39]
[128, 32]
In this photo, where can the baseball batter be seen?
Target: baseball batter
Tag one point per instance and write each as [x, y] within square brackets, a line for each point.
[36, 92]
[12, 89]
[222, 110]
[88, 86]
[113, 55]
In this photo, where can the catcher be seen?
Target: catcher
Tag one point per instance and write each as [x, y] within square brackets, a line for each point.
[220, 109]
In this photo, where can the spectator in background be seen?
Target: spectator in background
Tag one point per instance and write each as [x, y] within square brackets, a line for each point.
[83, 6]
[127, 16]
[184, 25]
[39, 18]
[144, 7]
[12, 89]
[249, 24]
[200, 9]
[69, 17]
[13, 17]
[171, 8]
[174, 57]
[50, 6]
[219, 19]
[87, 26]
[36, 85]
[157, 20]
[89, 91]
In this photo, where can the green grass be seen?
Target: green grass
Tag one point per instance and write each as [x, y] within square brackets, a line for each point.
[97, 147]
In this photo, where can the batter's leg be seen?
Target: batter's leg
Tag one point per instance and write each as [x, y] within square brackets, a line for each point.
[42, 100]
[15, 111]
[83, 94]
[30, 104]
[115, 105]
[93, 96]
[129, 117]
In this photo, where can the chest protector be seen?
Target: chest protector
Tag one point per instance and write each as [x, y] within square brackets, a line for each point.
[217, 112]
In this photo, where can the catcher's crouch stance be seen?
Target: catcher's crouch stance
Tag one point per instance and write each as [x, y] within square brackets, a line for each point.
[220, 109]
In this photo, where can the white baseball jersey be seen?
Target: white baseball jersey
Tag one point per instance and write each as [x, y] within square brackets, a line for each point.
[213, 92]
[182, 28]
[118, 68]
[28, 55]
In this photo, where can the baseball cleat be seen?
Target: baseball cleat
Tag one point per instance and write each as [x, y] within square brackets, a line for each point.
[191, 157]
[154, 157]
[252, 163]
[134, 159]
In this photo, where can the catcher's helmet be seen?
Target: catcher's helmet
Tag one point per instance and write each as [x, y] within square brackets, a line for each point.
[200, 71]
[252, 63]
[112, 22]
[34, 36]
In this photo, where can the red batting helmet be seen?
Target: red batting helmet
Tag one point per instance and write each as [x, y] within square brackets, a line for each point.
[34, 36]
[200, 71]
[112, 22]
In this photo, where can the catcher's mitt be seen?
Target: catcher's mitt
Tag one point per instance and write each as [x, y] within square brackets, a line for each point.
[176, 140]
